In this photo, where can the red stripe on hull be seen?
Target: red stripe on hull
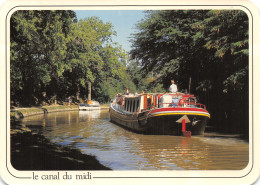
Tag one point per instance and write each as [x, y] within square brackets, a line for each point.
[177, 109]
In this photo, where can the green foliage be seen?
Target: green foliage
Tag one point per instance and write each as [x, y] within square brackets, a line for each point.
[97, 59]
[210, 46]
[38, 52]
[54, 54]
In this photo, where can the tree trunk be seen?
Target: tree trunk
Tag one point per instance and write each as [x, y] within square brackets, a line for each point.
[89, 91]
[78, 91]
[28, 92]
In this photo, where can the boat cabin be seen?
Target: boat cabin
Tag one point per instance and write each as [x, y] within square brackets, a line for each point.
[143, 102]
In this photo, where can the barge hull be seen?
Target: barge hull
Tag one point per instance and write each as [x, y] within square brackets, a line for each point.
[169, 125]
[159, 125]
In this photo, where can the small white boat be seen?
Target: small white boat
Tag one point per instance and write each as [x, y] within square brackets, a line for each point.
[90, 105]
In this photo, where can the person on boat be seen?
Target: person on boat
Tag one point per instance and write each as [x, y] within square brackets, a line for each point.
[173, 88]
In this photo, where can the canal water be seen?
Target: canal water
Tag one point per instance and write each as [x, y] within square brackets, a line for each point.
[92, 133]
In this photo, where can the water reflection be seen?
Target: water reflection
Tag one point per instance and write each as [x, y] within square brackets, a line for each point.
[93, 133]
[88, 115]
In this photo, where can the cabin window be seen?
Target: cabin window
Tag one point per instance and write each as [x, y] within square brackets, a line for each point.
[149, 102]
[125, 104]
[133, 110]
[130, 106]
[175, 102]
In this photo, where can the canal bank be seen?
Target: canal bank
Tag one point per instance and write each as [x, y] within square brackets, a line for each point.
[18, 113]
[32, 151]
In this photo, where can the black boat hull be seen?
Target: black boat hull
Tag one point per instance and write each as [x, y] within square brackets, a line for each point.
[164, 124]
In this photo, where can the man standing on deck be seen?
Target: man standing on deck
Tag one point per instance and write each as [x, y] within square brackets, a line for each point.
[173, 88]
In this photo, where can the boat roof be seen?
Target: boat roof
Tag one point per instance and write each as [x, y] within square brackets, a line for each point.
[131, 95]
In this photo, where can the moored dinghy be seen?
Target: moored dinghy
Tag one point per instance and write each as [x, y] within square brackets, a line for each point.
[157, 113]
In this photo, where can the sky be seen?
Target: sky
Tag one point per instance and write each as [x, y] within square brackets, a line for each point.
[123, 21]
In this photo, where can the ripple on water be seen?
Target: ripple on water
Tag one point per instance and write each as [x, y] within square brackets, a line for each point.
[120, 149]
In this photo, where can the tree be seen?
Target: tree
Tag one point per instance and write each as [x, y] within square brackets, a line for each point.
[54, 54]
[38, 45]
[96, 59]
[211, 47]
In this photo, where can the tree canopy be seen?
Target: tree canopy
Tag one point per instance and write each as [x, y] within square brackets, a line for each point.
[54, 56]
[208, 46]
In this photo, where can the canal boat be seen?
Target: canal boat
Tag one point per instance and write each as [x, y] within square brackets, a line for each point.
[158, 113]
[89, 105]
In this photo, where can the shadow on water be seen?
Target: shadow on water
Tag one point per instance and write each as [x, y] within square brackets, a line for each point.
[212, 132]
[35, 152]
[218, 135]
